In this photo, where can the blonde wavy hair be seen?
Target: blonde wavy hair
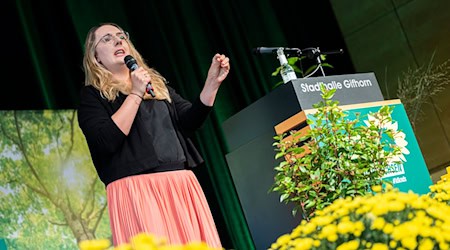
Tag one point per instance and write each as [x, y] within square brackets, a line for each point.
[99, 77]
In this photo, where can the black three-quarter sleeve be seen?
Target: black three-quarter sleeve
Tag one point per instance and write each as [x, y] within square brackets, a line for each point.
[191, 115]
[94, 118]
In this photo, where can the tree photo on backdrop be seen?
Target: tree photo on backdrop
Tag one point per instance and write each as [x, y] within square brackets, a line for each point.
[50, 196]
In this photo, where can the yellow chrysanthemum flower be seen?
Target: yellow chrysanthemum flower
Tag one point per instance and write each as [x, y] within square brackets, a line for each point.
[351, 245]
[145, 241]
[380, 246]
[124, 246]
[284, 239]
[345, 227]
[409, 242]
[410, 221]
[377, 189]
[426, 244]
[100, 244]
[378, 223]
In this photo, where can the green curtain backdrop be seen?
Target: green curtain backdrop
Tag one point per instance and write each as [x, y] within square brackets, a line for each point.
[178, 38]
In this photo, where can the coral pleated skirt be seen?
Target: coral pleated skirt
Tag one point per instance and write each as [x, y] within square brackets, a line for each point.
[169, 205]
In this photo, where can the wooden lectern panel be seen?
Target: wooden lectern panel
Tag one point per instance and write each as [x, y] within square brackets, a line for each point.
[296, 123]
[293, 122]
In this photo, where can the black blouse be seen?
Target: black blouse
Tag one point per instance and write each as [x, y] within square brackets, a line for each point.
[116, 155]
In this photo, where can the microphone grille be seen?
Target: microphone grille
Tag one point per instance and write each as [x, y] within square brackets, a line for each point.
[130, 61]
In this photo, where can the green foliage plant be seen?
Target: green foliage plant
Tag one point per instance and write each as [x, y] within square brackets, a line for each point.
[345, 158]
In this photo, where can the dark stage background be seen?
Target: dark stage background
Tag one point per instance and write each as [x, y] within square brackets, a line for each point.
[43, 47]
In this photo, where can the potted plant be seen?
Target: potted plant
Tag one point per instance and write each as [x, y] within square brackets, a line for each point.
[346, 156]
[380, 221]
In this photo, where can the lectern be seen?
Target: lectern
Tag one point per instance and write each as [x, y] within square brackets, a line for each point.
[251, 156]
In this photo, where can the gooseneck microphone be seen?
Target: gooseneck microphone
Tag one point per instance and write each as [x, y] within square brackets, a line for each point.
[132, 65]
[270, 50]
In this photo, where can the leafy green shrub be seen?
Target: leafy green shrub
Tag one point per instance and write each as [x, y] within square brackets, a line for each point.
[345, 158]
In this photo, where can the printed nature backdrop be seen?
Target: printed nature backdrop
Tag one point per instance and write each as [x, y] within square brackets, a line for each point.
[50, 195]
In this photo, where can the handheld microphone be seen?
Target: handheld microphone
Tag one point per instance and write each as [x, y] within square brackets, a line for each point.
[270, 50]
[132, 65]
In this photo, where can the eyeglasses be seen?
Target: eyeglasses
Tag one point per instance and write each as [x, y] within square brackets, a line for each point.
[109, 38]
